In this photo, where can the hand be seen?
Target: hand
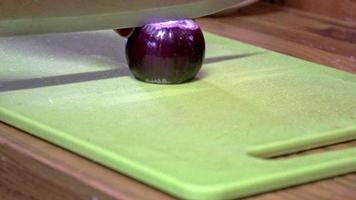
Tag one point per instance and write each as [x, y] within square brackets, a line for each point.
[125, 32]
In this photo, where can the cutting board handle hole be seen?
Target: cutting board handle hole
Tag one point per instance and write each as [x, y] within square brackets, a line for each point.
[318, 150]
[302, 145]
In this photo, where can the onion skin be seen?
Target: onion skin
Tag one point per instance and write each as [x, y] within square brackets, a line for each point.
[169, 52]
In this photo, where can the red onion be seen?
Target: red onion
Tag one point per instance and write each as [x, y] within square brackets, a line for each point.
[168, 52]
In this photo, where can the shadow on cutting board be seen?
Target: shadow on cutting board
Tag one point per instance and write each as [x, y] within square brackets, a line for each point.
[91, 76]
[86, 46]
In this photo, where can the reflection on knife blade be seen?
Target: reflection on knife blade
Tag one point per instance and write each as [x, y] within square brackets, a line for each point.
[46, 16]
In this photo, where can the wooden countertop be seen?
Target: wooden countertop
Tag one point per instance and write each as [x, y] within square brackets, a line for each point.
[31, 168]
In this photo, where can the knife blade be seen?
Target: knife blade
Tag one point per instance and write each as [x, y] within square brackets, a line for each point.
[49, 16]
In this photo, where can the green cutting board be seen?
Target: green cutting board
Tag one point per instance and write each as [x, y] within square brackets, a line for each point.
[207, 139]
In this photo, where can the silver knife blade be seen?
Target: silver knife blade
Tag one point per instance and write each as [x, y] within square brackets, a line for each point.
[49, 16]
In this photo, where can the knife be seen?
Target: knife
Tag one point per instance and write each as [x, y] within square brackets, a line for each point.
[49, 16]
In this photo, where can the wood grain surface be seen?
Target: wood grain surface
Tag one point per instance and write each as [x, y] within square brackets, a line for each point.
[31, 168]
[344, 10]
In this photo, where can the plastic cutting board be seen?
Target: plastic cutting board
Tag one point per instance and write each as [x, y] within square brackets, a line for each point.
[207, 139]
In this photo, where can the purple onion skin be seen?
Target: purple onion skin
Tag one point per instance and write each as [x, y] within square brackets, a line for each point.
[169, 52]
